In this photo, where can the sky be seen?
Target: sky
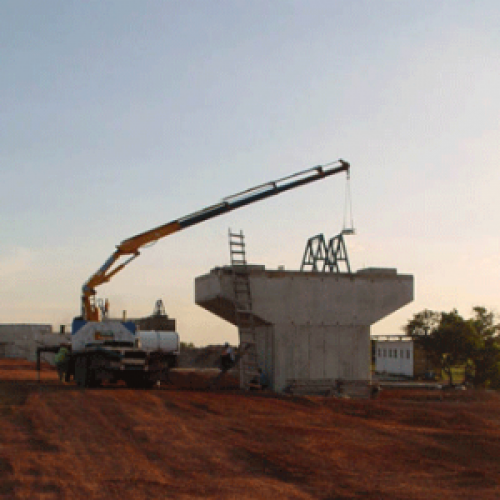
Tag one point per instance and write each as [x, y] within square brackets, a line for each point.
[118, 116]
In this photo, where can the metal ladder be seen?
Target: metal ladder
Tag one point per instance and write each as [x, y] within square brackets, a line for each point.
[245, 320]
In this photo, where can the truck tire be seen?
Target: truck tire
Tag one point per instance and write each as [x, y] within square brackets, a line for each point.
[148, 384]
[96, 370]
[81, 372]
[171, 361]
[140, 381]
[84, 372]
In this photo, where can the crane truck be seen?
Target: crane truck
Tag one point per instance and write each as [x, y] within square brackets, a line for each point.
[108, 350]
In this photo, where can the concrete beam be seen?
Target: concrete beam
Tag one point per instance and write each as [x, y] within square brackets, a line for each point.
[362, 298]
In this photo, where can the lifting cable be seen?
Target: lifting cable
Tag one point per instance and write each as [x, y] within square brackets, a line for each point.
[348, 208]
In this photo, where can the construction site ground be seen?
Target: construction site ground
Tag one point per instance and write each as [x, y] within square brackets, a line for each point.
[181, 441]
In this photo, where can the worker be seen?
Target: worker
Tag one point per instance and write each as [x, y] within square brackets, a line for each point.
[62, 361]
[227, 357]
[259, 382]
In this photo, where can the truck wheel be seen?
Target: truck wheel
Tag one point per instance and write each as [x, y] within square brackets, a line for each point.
[171, 361]
[81, 371]
[84, 372]
[148, 384]
[133, 383]
[96, 370]
[140, 382]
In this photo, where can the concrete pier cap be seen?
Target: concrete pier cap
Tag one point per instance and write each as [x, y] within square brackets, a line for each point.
[310, 325]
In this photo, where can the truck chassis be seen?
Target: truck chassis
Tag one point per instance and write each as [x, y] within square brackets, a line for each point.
[112, 362]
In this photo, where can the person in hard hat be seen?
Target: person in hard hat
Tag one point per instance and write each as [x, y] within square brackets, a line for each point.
[62, 361]
[227, 357]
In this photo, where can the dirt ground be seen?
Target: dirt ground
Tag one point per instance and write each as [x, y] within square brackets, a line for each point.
[182, 441]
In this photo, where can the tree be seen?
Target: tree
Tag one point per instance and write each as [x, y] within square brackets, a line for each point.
[449, 340]
[457, 339]
[446, 338]
[423, 323]
[486, 358]
[420, 329]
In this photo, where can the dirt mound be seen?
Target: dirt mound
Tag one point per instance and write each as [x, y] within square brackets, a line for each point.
[177, 441]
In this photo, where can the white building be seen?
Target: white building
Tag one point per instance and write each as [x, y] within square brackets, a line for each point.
[398, 355]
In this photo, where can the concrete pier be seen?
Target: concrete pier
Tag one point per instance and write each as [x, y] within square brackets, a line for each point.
[310, 325]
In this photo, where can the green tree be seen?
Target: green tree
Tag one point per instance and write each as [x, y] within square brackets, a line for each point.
[446, 338]
[457, 339]
[486, 357]
[422, 323]
[449, 340]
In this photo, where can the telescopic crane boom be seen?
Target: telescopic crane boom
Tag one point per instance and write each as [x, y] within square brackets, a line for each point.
[130, 247]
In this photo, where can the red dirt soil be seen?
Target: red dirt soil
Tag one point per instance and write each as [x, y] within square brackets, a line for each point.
[181, 441]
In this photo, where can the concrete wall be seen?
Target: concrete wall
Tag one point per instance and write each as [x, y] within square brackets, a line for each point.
[311, 352]
[22, 340]
[311, 325]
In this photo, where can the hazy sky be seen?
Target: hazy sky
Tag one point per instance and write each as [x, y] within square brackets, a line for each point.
[117, 116]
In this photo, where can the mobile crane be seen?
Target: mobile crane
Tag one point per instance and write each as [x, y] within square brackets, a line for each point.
[107, 350]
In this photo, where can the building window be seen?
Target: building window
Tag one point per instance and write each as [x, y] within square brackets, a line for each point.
[390, 353]
[408, 354]
[402, 353]
[395, 353]
[385, 352]
[379, 353]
